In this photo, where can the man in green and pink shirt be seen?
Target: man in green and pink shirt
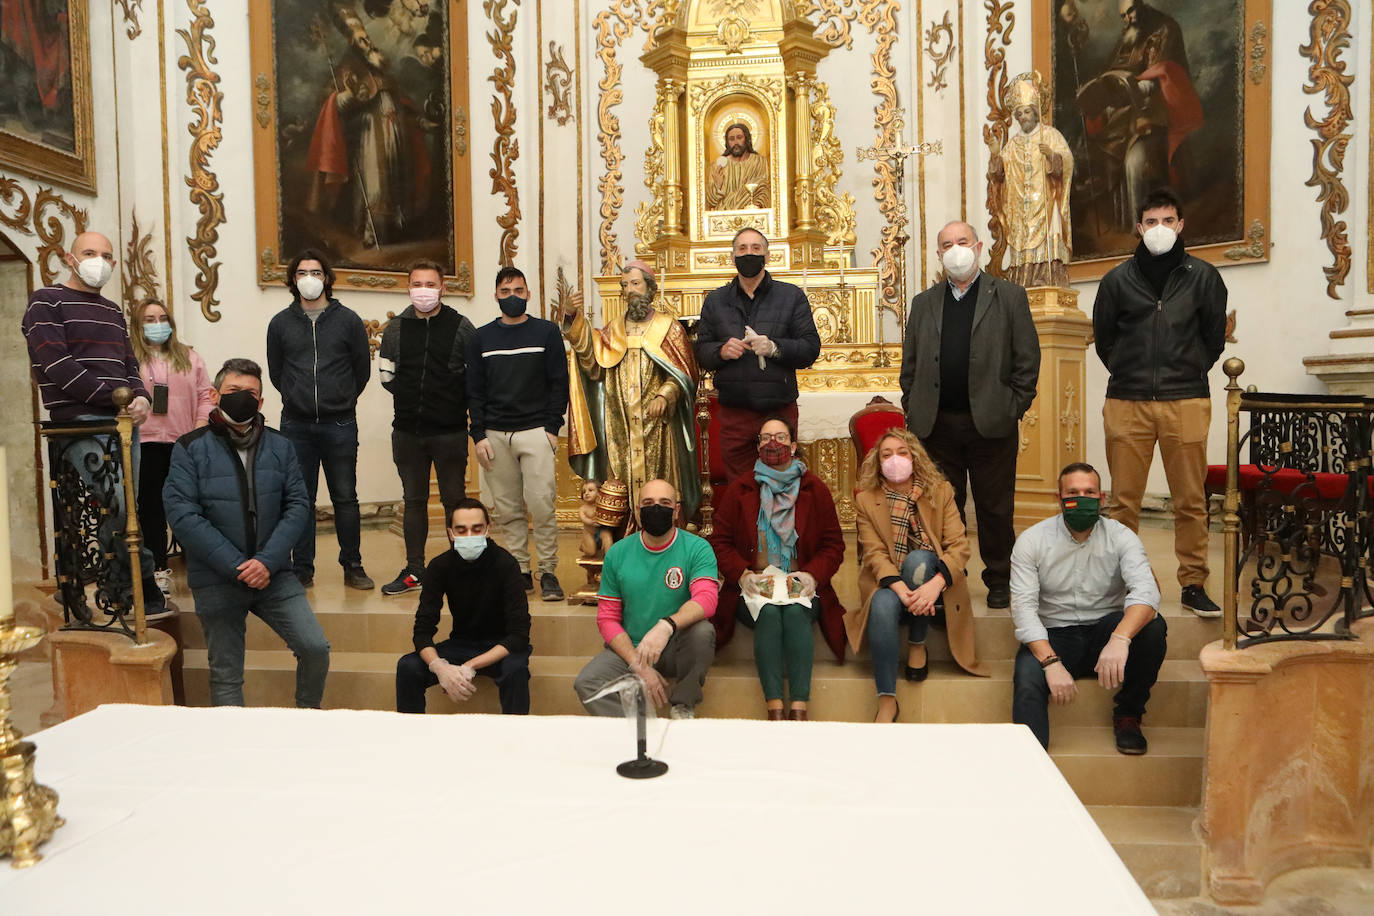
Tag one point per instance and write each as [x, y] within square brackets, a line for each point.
[658, 592]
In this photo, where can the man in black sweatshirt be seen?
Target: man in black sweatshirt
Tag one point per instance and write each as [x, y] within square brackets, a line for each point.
[423, 363]
[517, 393]
[491, 621]
[317, 357]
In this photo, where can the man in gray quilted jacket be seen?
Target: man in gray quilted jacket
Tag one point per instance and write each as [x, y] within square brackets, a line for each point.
[237, 503]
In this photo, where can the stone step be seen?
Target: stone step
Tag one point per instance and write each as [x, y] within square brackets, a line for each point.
[1170, 775]
[366, 680]
[1159, 845]
[569, 629]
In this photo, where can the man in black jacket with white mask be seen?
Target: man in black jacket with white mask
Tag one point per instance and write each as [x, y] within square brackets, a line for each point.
[755, 332]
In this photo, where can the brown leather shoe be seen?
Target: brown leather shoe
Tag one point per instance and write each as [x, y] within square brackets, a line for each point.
[776, 715]
[796, 715]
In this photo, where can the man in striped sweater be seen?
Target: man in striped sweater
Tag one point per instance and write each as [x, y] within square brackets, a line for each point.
[79, 352]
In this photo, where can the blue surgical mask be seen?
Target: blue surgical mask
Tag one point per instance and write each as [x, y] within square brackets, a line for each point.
[156, 332]
[470, 546]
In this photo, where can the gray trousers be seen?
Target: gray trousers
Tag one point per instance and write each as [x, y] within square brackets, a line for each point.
[685, 661]
[522, 478]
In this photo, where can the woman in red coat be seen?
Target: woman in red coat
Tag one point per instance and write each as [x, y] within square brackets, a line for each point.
[781, 516]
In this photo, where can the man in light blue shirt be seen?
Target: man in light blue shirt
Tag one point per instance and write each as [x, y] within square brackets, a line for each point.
[1084, 602]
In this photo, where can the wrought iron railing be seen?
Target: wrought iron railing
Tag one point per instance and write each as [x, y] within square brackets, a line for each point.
[1299, 522]
[91, 481]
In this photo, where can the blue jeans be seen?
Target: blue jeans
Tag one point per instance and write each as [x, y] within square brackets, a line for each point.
[333, 446]
[886, 614]
[223, 611]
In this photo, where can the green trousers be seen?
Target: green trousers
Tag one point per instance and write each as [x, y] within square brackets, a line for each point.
[783, 645]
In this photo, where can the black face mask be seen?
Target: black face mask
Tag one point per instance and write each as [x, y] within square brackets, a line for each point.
[656, 520]
[512, 306]
[749, 265]
[239, 406]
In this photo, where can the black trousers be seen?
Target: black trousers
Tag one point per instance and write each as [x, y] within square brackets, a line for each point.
[511, 674]
[1078, 648]
[448, 453]
[989, 466]
[154, 462]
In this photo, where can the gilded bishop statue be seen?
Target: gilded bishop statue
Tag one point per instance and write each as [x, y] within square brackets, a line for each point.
[1030, 180]
[739, 178]
[632, 410]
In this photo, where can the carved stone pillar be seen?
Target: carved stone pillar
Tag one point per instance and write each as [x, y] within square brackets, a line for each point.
[801, 84]
[1052, 430]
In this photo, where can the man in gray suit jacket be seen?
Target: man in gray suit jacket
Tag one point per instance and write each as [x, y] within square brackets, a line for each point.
[970, 364]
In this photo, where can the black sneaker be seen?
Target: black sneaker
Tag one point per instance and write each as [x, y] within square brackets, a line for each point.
[306, 577]
[1129, 738]
[999, 596]
[1195, 599]
[528, 580]
[355, 577]
[407, 581]
[548, 584]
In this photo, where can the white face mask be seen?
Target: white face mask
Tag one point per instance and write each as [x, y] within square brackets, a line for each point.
[960, 262]
[424, 298]
[310, 288]
[94, 272]
[1159, 239]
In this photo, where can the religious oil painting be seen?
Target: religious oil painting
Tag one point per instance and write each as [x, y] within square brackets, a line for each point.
[45, 100]
[361, 136]
[1152, 93]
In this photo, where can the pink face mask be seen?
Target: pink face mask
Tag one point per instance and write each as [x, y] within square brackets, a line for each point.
[424, 298]
[897, 468]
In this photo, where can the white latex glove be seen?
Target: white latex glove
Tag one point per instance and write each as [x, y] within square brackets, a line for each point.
[655, 687]
[140, 410]
[1111, 664]
[760, 345]
[455, 679]
[485, 456]
[1062, 688]
[807, 582]
[752, 583]
[653, 644]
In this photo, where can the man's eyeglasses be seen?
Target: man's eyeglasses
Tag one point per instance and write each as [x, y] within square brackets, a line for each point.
[310, 273]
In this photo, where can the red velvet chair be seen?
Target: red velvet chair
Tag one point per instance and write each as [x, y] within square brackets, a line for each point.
[868, 425]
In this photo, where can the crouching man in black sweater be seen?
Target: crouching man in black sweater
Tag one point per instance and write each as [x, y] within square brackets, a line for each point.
[491, 621]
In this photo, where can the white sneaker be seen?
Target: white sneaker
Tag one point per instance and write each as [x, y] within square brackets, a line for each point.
[163, 578]
[682, 712]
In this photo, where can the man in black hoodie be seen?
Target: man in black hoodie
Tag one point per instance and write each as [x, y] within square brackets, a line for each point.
[317, 357]
[1159, 324]
[423, 363]
[491, 621]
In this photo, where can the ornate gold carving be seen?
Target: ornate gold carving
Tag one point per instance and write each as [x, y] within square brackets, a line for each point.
[832, 460]
[262, 100]
[612, 26]
[375, 327]
[372, 281]
[270, 269]
[649, 215]
[832, 311]
[732, 33]
[1258, 53]
[729, 224]
[1254, 247]
[558, 76]
[460, 131]
[130, 9]
[205, 100]
[880, 17]
[463, 284]
[939, 60]
[1069, 417]
[1030, 418]
[704, 93]
[1330, 36]
[506, 148]
[1001, 22]
[834, 22]
[137, 272]
[834, 211]
[34, 216]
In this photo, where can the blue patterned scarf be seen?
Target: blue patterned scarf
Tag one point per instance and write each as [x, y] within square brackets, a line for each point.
[778, 489]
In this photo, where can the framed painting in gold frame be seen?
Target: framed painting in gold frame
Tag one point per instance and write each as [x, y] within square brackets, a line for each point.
[45, 105]
[1162, 92]
[360, 139]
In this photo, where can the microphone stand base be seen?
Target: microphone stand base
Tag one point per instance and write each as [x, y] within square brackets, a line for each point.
[642, 768]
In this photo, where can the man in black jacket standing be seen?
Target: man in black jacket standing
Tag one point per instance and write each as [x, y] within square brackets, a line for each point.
[491, 621]
[970, 367]
[754, 333]
[517, 392]
[317, 357]
[423, 363]
[1159, 324]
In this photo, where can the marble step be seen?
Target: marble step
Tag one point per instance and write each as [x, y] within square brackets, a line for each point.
[568, 629]
[1159, 845]
[366, 680]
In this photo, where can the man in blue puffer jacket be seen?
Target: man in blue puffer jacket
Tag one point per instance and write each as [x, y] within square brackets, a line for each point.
[237, 503]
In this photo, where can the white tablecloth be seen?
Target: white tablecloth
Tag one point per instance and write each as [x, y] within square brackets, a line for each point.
[205, 811]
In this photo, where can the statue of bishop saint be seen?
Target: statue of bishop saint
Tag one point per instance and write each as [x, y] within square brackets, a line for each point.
[1030, 179]
[632, 393]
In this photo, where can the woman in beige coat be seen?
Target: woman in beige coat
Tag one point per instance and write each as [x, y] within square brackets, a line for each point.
[912, 549]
